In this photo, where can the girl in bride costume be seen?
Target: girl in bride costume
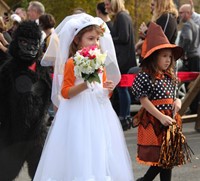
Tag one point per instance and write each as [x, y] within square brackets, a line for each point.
[85, 141]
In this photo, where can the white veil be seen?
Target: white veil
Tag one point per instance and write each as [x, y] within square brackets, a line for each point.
[58, 50]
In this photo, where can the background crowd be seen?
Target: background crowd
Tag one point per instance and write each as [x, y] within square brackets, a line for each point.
[180, 24]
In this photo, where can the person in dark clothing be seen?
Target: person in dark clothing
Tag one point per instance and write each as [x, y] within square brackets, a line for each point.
[123, 38]
[165, 14]
[25, 97]
[168, 23]
[47, 23]
[189, 41]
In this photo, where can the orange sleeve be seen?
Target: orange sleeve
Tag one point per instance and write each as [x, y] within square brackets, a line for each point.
[104, 75]
[69, 78]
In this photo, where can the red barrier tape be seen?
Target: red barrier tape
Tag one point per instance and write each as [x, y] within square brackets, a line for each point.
[127, 79]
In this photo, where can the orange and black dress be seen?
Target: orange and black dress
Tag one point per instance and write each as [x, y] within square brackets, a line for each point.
[150, 130]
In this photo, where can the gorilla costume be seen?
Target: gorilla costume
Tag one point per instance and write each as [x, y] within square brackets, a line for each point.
[25, 89]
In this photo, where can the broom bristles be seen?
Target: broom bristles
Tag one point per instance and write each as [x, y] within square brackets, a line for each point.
[174, 149]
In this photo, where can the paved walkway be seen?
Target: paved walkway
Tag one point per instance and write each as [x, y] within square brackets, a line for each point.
[188, 172]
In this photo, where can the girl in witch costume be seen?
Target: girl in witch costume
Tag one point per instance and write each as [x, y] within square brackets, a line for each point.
[86, 130]
[155, 87]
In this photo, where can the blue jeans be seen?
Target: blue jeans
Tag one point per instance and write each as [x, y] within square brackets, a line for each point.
[124, 101]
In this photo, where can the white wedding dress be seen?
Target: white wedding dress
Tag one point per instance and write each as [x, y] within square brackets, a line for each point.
[85, 141]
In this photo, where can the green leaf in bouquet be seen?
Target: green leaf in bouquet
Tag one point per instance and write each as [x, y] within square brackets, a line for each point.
[85, 76]
[91, 77]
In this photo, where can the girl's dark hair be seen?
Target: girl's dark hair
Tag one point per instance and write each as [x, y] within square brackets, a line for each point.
[74, 47]
[149, 66]
[101, 8]
[46, 21]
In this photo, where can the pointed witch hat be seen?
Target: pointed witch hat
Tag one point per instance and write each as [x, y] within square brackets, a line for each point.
[156, 40]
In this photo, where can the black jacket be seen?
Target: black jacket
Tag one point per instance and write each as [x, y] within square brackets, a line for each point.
[168, 23]
[123, 38]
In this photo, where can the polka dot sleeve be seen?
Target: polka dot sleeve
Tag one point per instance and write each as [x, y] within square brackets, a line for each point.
[142, 86]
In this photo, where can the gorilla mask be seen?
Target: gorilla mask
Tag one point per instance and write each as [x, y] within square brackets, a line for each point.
[28, 48]
[25, 47]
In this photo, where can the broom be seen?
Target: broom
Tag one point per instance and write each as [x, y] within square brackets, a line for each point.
[174, 150]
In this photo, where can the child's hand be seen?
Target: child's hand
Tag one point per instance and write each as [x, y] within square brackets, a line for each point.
[109, 85]
[177, 105]
[167, 120]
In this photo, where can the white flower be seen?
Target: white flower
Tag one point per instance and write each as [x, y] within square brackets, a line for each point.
[89, 61]
[77, 71]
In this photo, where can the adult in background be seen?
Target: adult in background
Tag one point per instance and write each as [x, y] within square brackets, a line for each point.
[123, 38]
[35, 10]
[165, 14]
[15, 20]
[47, 23]
[195, 16]
[189, 41]
[21, 12]
[101, 13]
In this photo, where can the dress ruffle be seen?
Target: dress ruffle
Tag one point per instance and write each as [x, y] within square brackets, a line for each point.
[144, 118]
[150, 136]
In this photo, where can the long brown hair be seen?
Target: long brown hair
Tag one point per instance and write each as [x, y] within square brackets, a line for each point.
[117, 6]
[163, 7]
[74, 47]
[150, 66]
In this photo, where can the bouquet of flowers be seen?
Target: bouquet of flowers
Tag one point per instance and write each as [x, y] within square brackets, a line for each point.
[88, 63]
